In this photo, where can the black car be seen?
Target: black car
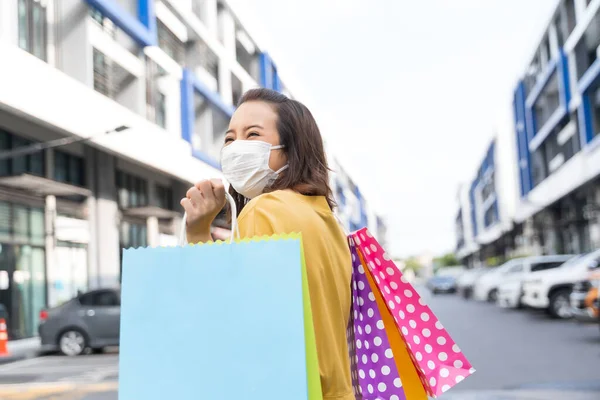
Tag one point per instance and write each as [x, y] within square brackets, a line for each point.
[442, 284]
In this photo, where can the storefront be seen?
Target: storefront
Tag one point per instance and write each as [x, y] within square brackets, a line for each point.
[22, 266]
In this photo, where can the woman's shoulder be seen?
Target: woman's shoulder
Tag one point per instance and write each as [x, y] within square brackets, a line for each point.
[272, 202]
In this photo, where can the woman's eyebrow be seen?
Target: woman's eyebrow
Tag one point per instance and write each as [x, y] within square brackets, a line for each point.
[246, 128]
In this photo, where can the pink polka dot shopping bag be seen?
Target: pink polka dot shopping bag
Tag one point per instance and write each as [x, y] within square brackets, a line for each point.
[438, 361]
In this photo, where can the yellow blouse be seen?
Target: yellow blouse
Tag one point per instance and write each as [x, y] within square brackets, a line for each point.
[328, 265]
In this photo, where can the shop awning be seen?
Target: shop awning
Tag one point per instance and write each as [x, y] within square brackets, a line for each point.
[43, 186]
[150, 211]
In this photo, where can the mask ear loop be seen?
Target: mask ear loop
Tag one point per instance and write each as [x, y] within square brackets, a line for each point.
[235, 231]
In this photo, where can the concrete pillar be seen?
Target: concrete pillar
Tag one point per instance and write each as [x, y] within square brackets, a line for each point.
[50, 240]
[209, 16]
[9, 22]
[72, 38]
[106, 221]
[152, 232]
[90, 206]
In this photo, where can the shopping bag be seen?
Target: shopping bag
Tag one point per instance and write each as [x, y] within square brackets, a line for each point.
[437, 359]
[374, 371]
[218, 321]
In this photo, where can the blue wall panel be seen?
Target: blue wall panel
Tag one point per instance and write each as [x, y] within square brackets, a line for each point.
[189, 85]
[147, 15]
[131, 25]
[588, 82]
[266, 71]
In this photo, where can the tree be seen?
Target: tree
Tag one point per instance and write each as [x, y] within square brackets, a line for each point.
[412, 264]
[447, 260]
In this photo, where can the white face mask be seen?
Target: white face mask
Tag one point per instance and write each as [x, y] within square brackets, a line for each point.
[245, 165]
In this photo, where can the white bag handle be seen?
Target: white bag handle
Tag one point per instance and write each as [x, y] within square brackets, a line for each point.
[234, 225]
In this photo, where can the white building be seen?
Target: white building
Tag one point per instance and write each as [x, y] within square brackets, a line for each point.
[169, 70]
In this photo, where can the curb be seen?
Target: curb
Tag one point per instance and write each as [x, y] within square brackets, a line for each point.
[19, 357]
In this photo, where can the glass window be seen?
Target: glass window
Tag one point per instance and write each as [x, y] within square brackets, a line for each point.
[60, 166]
[20, 223]
[515, 269]
[33, 27]
[106, 299]
[547, 103]
[6, 221]
[4, 146]
[170, 43]
[101, 298]
[19, 164]
[545, 266]
[37, 224]
[161, 110]
[23, 25]
[76, 173]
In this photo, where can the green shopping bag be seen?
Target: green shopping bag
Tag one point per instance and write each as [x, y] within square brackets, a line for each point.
[218, 321]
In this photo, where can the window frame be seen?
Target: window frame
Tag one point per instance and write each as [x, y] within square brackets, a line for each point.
[30, 42]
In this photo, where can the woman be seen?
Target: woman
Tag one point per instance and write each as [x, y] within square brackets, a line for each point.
[274, 159]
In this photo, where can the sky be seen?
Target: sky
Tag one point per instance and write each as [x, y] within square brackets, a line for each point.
[407, 93]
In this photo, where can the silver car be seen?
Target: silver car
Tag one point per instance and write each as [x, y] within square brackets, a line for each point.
[88, 321]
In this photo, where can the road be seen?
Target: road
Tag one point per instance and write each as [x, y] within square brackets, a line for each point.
[509, 349]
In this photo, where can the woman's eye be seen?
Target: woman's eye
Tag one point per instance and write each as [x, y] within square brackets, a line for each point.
[228, 140]
[252, 134]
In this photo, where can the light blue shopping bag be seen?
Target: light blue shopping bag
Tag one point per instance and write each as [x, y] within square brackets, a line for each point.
[218, 321]
[222, 321]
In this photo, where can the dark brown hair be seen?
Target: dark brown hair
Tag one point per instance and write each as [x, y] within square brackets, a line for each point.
[308, 172]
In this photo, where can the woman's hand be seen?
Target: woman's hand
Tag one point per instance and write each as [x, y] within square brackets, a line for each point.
[202, 203]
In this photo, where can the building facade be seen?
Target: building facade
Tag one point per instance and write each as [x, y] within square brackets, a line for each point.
[556, 161]
[557, 121]
[153, 84]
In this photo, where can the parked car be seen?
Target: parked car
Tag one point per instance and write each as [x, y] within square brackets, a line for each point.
[551, 290]
[510, 286]
[442, 284]
[465, 282]
[486, 287]
[585, 298]
[90, 320]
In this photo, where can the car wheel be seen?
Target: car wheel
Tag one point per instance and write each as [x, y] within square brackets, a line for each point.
[493, 296]
[560, 305]
[72, 342]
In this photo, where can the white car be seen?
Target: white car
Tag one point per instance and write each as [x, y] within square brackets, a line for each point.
[466, 281]
[551, 290]
[486, 287]
[510, 286]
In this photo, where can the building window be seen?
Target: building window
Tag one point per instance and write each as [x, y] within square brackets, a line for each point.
[586, 48]
[491, 215]
[547, 103]
[170, 43]
[33, 27]
[156, 101]
[110, 78]
[69, 168]
[538, 166]
[22, 224]
[132, 191]
[488, 187]
[105, 23]
[164, 197]
[198, 54]
[29, 164]
[237, 90]
[561, 144]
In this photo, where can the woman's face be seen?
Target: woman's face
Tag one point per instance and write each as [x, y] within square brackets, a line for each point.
[256, 120]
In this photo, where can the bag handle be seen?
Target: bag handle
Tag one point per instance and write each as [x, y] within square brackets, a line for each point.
[234, 225]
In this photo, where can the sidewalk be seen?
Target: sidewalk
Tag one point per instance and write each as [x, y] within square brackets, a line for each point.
[21, 349]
